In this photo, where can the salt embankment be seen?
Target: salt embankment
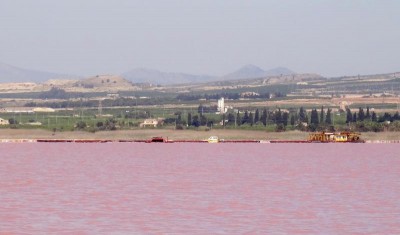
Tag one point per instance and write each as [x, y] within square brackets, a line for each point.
[180, 141]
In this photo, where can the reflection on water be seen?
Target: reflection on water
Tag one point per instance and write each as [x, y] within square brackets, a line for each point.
[199, 188]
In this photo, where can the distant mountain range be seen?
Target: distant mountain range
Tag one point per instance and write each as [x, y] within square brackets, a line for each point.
[142, 75]
[10, 73]
[252, 71]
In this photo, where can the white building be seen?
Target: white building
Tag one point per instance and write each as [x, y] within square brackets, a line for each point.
[221, 106]
[152, 122]
[4, 122]
[43, 110]
[17, 110]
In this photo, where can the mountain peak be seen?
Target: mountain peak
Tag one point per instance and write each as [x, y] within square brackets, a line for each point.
[253, 71]
[247, 71]
[251, 67]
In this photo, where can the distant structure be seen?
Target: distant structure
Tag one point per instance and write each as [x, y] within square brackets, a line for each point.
[113, 95]
[343, 105]
[221, 106]
[43, 110]
[4, 122]
[152, 122]
[27, 110]
[17, 110]
[249, 94]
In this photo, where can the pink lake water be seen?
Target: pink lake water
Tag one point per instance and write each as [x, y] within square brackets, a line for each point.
[137, 188]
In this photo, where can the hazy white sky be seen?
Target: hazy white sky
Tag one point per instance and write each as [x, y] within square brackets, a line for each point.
[86, 37]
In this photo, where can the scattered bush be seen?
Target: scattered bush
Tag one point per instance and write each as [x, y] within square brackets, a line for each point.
[12, 121]
[80, 125]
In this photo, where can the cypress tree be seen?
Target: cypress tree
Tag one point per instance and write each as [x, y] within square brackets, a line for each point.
[302, 115]
[314, 117]
[264, 117]
[231, 118]
[322, 115]
[189, 119]
[361, 115]
[292, 120]
[386, 117]
[257, 116]
[195, 121]
[203, 120]
[245, 118]
[238, 119]
[285, 117]
[179, 119]
[374, 118]
[367, 114]
[396, 116]
[349, 116]
[328, 119]
[278, 116]
[200, 109]
[251, 119]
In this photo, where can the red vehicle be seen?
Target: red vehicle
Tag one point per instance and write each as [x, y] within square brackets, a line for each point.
[159, 139]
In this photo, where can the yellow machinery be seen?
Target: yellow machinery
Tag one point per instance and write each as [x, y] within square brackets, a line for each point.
[213, 139]
[340, 137]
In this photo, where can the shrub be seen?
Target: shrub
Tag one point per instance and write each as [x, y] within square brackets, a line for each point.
[179, 127]
[92, 130]
[80, 125]
[12, 121]
[395, 126]
[280, 127]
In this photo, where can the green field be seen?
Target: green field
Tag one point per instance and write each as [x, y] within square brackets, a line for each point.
[130, 118]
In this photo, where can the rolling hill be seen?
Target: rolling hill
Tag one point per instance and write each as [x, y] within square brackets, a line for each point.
[252, 71]
[9, 73]
[142, 75]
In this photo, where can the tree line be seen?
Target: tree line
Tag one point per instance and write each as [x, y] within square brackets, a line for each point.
[300, 119]
[266, 117]
[370, 116]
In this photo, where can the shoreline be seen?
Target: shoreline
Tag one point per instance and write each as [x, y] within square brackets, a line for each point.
[178, 135]
[91, 141]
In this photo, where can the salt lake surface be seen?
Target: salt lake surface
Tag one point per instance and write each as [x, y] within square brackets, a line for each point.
[137, 188]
